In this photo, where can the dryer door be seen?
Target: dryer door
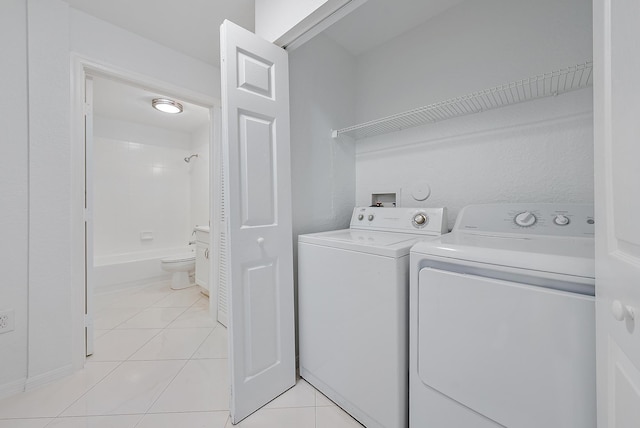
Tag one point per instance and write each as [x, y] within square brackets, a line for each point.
[520, 355]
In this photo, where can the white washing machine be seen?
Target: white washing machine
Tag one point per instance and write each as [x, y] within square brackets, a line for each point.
[353, 309]
[502, 329]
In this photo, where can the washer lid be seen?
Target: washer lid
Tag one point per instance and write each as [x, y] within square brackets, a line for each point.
[562, 255]
[386, 244]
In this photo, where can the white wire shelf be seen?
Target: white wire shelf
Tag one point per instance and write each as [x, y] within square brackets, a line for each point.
[543, 85]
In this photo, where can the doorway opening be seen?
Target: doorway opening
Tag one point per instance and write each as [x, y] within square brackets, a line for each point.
[141, 200]
[148, 192]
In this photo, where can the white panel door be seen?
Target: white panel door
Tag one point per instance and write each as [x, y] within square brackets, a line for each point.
[617, 178]
[255, 141]
[88, 213]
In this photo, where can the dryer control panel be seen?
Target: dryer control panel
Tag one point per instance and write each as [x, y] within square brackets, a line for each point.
[555, 219]
[422, 221]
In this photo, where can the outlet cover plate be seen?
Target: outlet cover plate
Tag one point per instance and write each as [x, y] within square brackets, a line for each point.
[7, 321]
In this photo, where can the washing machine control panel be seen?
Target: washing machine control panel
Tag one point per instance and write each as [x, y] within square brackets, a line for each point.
[529, 218]
[428, 221]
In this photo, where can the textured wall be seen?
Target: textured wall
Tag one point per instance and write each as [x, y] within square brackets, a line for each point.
[275, 17]
[536, 151]
[14, 175]
[50, 275]
[322, 78]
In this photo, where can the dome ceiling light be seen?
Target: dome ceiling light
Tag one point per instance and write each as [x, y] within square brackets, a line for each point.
[166, 105]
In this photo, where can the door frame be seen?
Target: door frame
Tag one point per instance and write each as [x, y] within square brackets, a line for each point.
[81, 67]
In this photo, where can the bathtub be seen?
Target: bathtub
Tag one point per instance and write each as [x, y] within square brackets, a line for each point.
[133, 267]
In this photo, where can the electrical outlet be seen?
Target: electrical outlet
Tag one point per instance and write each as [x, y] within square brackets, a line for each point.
[7, 321]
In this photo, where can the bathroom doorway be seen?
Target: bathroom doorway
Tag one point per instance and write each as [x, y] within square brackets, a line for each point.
[148, 181]
[148, 189]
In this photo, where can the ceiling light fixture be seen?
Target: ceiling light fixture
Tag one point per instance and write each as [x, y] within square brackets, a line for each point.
[166, 105]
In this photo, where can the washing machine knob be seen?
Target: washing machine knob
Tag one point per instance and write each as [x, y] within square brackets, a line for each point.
[360, 217]
[420, 219]
[525, 219]
[561, 220]
[371, 217]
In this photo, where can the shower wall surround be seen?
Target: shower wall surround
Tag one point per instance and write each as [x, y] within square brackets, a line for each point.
[143, 194]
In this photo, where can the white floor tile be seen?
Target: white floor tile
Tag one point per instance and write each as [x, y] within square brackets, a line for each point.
[179, 298]
[203, 385]
[119, 421]
[178, 344]
[99, 333]
[24, 423]
[130, 299]
[185, 420]
[301, 395]
[120, 344]
[215, 346]
[139, 300]
[177, 370]
[51, 399]
[334, 417]
[302, 417]
[112, 317]
[194, 317]
[131, 388]
[153, 318]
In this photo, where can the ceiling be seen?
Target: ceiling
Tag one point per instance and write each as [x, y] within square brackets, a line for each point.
[117, 100]
[188, 26]
[378, 21]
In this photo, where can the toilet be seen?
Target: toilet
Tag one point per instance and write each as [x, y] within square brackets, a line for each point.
[180, 266]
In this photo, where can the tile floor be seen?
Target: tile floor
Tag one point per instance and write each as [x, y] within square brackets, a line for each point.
[160, 361]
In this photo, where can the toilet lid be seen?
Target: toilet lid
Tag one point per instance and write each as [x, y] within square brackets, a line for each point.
[180, 258]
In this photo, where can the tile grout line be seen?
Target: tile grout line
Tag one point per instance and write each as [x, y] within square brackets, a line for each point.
[120, 363]
[86, 392]
[146, 412]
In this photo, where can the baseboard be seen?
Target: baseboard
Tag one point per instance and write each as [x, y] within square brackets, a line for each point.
[44, 378]
[12, 388]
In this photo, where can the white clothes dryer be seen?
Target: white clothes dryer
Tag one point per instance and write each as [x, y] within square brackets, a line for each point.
[353, 297]
[502, 328]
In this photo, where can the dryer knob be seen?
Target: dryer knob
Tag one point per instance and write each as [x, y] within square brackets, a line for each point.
[360, 216]
[371, 217]
[420, 219]
[561, 220]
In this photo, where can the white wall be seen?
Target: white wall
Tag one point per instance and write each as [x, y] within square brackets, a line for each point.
[14, 170]
[276, 17]
[537, 151]
[141, 184]
[199, 171]
[43, 258]
[472, 46]
[111, 45]
[322, 81]
[50, 275]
